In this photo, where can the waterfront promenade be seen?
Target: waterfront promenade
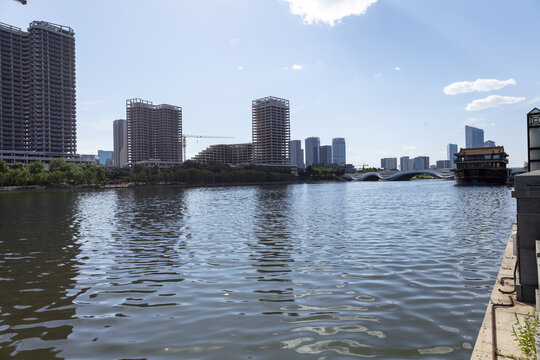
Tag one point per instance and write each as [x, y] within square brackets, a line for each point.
[495, 339]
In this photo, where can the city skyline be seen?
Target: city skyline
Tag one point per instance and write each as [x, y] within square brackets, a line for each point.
[438, 76]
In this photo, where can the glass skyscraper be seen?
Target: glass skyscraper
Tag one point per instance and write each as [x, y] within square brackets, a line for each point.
[451, 149]
[338, 151]
[474, 137]
[313, 145]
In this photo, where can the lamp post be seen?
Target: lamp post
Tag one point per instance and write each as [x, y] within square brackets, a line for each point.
[533, 140]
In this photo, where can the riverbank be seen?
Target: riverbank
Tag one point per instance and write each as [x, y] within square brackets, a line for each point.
[6, 189]
[495, 339]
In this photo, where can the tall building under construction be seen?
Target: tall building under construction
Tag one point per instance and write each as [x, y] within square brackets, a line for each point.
[232, 154]
[271, 131]
[154, 132]
[37, 92]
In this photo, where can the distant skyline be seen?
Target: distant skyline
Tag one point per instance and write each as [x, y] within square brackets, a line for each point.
[393, 78]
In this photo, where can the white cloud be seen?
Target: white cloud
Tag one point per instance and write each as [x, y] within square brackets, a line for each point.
[328, 11]
[294, 67]
[397, 68]
[462, 87]
[234, 42]
[493, 101]
[377, 76]
[240, 68]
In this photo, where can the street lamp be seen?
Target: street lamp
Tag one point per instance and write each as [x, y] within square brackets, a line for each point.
[533, 139]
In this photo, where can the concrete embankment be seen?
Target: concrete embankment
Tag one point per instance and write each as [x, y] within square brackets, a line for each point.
[495, 339]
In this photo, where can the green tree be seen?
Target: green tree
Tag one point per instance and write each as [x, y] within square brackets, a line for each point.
[4, 168]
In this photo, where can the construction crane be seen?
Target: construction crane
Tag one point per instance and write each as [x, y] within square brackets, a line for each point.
[184, 136]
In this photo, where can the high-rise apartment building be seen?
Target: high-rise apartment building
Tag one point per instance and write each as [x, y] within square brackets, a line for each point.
[37, 92]
[410, 164]
[271, 131]
[313, 145]
[421, 163]
[120, 155]
[325, 155]
[389, 163]
[474, 137]
[451, 149]
[297, 153]
[338, 151]
[154, 132]
[404, 163]
[443, 164]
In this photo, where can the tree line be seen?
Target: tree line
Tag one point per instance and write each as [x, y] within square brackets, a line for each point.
[63, 173]
[321, 173]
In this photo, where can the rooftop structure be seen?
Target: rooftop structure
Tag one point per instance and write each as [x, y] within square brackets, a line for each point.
[37, 92]
[271, 131]
[154, 132]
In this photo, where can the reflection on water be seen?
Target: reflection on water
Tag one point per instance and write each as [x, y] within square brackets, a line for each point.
[38, 252]
[338, 270]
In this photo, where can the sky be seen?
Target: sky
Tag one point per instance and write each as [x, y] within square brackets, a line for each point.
[394, 78]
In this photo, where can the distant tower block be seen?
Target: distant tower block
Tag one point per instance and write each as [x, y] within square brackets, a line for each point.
[120, 143]
[474, 137]
[313, 149]
[154, 131]
[338, 151]
[297, 153]
[271, 131]
[451, 150]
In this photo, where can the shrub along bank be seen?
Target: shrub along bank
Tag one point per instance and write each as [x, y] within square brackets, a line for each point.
[62, 173]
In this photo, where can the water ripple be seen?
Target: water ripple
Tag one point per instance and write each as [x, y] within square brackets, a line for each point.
[379, 270]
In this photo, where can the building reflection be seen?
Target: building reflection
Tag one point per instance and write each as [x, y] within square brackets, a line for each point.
[38, 256]
[271, 252]
[150, 224]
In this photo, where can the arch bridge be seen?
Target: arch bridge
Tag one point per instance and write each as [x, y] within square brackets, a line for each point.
[398, 175]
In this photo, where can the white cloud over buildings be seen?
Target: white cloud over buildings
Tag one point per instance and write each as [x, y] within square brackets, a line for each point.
[480, 85]
[328, 11]
[493, 101]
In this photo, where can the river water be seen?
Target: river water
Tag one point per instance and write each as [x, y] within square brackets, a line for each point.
[388, 270]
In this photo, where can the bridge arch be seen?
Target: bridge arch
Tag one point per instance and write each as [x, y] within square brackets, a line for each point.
[398, 175]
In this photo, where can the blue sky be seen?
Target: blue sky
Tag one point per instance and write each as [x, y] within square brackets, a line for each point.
[373, 72]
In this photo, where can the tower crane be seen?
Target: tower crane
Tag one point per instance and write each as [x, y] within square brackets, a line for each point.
[184, 136]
